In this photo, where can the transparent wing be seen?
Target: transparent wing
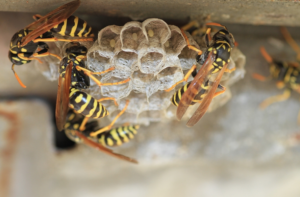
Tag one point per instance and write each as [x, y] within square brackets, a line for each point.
[62, 100]
[194, 87]
[206, 100]
[48, 21]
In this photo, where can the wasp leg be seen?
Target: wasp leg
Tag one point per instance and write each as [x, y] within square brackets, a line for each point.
[207, 37]
[90, 74]
[190, 46]
[230, 70]
[36, 16]
[260, 77]
[83, 123]
[111, 124]
[282, 97]
[266, 55]
[44, 52]
[191, 24]
[184, 79]
[109, 98]
[291, 41]
[21, 55]
[63, 40]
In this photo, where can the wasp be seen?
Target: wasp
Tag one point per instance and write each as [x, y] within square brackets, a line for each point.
[74, 78]
[110, 138]
[287, 74]
[214, 60]
[29, 43]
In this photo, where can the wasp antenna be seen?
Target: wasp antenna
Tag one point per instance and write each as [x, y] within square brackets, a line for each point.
[17, 77]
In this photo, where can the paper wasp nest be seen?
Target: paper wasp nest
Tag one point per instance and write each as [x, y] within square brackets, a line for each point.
[154, 56]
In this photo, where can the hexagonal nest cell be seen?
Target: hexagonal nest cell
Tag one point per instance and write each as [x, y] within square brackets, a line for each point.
[154, 55]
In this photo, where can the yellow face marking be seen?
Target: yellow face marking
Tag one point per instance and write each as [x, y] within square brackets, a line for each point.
[24, 62]
[76, 62]
[23, 50]
[15, 58]
[82, 30]
[20, 35]
[74, 27]
[219, 59]
[63, 28]
[63, 67]
[90, 29]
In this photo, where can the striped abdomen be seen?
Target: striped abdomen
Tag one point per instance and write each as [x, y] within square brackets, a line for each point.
[178, 94]
[86, 105]
[73, 26]
[117, 136]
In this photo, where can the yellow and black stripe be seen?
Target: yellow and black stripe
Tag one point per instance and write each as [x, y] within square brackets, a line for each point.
[204, 87]
[86, 105]
[117, 136]
[73, 26]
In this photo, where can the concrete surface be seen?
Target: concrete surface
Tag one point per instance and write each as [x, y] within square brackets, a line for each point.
[231, 11]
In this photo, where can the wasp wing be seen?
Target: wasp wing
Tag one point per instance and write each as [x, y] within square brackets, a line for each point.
[195, 86]
[104, 149]
[206, 100]
[62, 100]
[48, 21]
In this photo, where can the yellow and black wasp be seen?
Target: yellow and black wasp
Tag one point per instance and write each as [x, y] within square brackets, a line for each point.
[73, 78]
[214, 60]
[287, 74]
[29, 43]
[110, 138]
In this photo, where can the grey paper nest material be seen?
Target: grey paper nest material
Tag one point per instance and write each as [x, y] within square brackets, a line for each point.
[155, 56]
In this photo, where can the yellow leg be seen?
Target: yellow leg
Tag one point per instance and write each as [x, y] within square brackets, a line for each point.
[291, 41]
[190, 25]
[109, 98]
[184, 79]
[21, 55]
[46, 54]
[230, 70]
[63, 40]
[111, 124]
[82, 126]
[90, 74]
[275, 99]
[190, 46]
[260, 77]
